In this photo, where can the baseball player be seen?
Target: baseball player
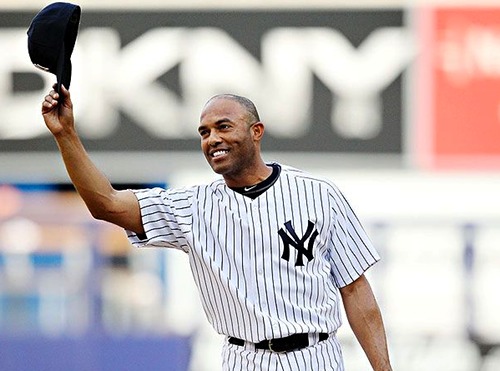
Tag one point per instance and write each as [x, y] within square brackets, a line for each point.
[274, 251]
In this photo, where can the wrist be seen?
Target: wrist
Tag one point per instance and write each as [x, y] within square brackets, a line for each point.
[67, 138]
[65, 133]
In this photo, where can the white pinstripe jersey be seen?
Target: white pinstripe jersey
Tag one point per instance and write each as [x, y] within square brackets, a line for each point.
[265, 267]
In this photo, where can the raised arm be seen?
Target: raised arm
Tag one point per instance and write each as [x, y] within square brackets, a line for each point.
[365, 320]
[102, 200]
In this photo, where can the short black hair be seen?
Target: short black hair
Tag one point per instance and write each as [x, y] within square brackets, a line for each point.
[245, 102]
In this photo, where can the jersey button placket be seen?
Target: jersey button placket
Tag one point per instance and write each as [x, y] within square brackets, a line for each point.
[261, 279]
[251, 215]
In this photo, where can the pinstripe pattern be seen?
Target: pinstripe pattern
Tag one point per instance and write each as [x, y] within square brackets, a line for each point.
[247, 289]
[324, 356]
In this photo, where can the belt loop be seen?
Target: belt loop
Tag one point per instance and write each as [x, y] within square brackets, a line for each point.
[313, 338]
[248, 345]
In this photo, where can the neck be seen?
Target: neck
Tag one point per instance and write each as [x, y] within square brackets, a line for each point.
[250, 177]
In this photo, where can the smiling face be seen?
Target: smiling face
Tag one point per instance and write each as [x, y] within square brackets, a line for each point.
[230, 139]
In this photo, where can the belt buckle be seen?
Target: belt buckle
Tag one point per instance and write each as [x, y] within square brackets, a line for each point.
[270, 346]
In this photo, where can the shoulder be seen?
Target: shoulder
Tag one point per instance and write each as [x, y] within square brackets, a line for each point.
[199, 191]
[319, 185]
[165, 195]
[178, 193]
[320, 181]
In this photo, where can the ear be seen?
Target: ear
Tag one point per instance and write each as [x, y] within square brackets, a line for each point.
[258, 130]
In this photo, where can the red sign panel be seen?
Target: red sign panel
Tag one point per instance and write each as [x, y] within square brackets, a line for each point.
[460, 74]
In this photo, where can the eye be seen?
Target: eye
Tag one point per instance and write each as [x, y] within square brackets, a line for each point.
[203, 132]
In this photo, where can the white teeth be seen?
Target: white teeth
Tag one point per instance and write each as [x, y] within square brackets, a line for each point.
[218, 153]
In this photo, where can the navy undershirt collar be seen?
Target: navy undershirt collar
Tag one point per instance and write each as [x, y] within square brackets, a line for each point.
[256, 190]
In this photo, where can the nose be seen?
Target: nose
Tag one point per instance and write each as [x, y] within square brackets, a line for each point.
[213, 140]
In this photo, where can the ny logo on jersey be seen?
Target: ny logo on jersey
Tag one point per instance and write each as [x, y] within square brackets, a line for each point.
[291, 238]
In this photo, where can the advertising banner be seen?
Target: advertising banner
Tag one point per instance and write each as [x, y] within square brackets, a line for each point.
[461, 65]
[323, 80]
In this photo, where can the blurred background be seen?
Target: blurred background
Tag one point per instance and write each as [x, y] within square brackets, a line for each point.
[398, 102]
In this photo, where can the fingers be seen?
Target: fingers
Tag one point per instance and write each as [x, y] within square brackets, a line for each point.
[54, 99]
[50, 100]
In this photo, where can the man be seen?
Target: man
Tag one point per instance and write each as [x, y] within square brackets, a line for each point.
[273, 250]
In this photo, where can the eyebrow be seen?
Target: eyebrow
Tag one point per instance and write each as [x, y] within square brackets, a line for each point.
[217, 123]
[222, 121]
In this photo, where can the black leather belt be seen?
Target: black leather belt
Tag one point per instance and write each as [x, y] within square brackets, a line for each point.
[286, 344]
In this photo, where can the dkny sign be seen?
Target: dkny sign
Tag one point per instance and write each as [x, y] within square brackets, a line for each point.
[322, 80]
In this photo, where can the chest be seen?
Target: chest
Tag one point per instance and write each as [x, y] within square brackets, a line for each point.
[279, 228]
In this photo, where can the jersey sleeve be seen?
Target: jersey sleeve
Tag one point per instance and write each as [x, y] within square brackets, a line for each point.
[166, 218]
[352, 251]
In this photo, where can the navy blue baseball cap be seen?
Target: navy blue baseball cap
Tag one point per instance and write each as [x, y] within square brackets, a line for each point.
[51, 40]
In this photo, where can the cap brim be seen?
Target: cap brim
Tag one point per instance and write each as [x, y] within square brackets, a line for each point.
[63, 72]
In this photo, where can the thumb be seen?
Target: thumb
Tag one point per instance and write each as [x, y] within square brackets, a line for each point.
[64, 94]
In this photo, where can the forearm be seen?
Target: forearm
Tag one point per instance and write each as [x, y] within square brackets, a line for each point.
[368, 327]
[92, 185]
[366, 322]
[103, 201]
